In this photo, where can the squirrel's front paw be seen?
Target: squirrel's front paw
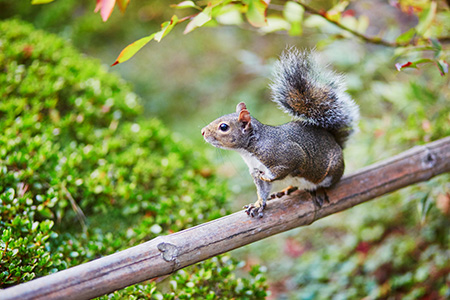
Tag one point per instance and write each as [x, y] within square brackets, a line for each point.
[255, 209]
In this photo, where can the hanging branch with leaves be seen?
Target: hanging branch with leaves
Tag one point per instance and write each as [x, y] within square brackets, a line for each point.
[289, 16]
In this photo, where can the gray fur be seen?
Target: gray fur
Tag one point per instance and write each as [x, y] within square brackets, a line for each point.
[302, 70]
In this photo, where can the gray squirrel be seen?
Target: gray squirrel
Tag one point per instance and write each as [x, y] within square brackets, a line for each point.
[308, 149]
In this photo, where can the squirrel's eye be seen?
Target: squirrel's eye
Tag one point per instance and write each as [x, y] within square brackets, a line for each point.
[224, 127]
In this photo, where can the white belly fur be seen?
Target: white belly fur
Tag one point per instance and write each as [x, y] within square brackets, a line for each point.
[300, 182]
[253, 163]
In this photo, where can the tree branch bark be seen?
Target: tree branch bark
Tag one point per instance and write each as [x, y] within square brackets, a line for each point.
[167, 254]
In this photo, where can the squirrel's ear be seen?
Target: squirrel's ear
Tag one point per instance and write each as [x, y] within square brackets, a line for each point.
[240, 107]
[244, 117]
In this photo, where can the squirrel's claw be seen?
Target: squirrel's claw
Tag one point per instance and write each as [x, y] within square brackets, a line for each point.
[255, 209]
[319, 197]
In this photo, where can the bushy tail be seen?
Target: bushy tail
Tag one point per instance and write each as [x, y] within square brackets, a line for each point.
[310, 91]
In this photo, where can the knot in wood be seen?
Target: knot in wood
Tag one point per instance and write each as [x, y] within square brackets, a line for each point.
[169, 252]
[428, 159]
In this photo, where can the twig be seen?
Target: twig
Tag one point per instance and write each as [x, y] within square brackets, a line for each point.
[372, 40]
[4, 250]
[167, 254]
[77, 209]
[369, 39]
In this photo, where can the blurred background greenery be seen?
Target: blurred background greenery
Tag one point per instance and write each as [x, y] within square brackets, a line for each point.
[396, 247]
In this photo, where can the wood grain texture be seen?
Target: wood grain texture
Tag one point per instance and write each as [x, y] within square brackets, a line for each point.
[166, 254]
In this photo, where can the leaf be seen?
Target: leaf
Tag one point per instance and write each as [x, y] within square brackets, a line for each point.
[186, 4]
[40, 1]
[256, 13]
[46, 212]
[422, 61]
[199, 20]
[275, 23]
[166, 27]
[426, 18]
[98, 5]
[414, 64]
[399, 66]
[293, 13]
[230, 14]
[106, 7]
[131, 49]
[336, 12]
[424, 206]
[437, 47]
[405, 37]
[339, 7]
[442, 66]
[123, 4]
[363, 24]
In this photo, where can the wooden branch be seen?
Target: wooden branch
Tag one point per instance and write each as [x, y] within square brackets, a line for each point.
[167, 254]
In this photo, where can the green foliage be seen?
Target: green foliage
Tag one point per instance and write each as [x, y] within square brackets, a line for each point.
[215, 279]
[385, 249]
[76, 155]
[211, 279]
[364, 250]
[25, 242]
[385, 258]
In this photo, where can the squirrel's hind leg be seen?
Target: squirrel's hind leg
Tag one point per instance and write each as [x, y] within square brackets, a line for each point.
[319, 197]
[285, 191]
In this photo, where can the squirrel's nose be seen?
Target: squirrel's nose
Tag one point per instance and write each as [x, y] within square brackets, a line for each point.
[203, 131]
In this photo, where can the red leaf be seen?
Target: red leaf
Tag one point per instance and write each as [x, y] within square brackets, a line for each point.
[28, 51]
[363, 247]
[98, 6]
[400, 66]
[106, 7]
[348, 13]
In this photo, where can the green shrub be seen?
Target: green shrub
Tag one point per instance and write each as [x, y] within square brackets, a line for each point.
[376, 256]
[83, 174]
[211, 279]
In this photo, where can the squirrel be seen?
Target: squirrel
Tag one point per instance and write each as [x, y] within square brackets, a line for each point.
[309, 149]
